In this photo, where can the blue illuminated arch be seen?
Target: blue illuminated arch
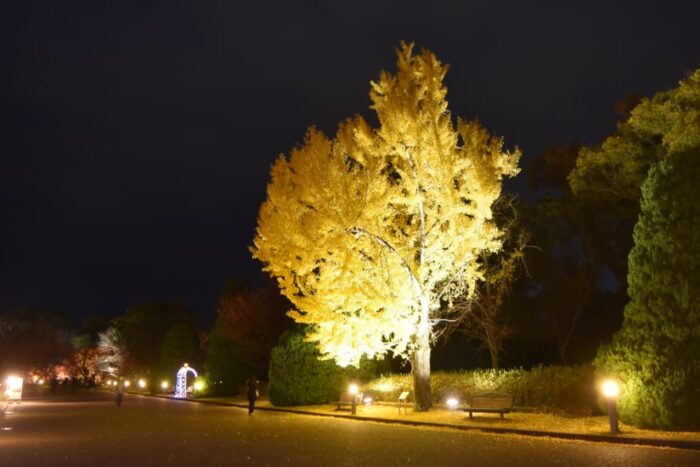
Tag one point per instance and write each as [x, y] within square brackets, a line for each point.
[181, 385]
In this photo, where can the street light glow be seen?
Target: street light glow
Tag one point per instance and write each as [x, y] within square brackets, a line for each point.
[164, 385]
[142, 383]
[352, 389]
[13, 389]
[14, 382]
[452, 403]
[127, 383]
[610, 389]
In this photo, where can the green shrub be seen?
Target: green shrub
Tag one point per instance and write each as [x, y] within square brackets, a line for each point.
[298, 377]
[569, 389]
[656, 354]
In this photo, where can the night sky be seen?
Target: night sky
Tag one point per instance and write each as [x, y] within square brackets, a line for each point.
[137, 136]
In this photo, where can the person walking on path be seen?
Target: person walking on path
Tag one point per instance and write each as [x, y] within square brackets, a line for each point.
[252, 393]
[119, 392]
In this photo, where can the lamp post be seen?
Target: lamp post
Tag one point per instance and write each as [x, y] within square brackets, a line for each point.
[611, 390]
[352, 389]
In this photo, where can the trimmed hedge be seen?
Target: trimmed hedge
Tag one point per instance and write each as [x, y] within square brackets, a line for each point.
[564, 388]
[298, 377]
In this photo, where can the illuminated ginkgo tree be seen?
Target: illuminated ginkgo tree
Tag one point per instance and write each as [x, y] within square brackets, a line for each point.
[373, 233]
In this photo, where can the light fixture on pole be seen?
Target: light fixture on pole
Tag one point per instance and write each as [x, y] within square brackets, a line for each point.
[611, 390]
[352, 389]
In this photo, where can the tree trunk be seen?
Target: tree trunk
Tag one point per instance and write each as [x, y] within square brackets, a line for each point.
[494, 358]
[420, 368]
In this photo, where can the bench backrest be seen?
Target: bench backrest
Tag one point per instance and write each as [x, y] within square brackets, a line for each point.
[347, 397]
[491, 401]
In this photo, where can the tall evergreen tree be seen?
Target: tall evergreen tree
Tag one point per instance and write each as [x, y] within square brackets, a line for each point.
[656, 354]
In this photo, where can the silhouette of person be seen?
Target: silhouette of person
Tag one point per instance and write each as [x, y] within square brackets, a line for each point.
[119, 392]
[252, 393]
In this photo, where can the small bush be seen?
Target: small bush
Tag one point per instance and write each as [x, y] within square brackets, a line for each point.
[569, 389]
[298, 377]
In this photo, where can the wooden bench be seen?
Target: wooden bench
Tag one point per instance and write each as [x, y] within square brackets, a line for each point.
[491, 402]
[345, 401]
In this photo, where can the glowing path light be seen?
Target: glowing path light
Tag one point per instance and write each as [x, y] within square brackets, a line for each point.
[181, 385]
[14, 388]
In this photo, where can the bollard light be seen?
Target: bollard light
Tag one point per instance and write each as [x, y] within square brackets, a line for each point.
[368, 401]
[13, 388]
[352, 389]
[452, 403]
[14, 382]
[611, 390]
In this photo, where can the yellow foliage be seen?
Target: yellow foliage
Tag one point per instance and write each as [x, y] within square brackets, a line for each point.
[367, 232]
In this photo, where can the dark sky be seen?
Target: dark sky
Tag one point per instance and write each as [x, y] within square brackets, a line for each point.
[137, 136]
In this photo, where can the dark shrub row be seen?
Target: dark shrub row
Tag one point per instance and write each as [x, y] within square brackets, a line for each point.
[553, 388]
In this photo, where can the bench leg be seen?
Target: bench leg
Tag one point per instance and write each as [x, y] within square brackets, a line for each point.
[501, 415]
[470, 414]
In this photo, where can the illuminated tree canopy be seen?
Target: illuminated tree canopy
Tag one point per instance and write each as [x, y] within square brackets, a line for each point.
[373, 233]
[655, 129]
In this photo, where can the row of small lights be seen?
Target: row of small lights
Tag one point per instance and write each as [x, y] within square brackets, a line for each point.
[198, 385]
[141, 383]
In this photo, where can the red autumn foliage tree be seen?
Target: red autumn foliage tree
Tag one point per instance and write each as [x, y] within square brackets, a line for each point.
[252, 320]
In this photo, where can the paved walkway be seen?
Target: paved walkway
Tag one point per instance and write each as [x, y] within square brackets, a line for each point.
[529, 424]
[87, 429]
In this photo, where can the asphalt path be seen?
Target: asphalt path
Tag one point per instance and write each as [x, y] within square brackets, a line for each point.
[88, 429]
